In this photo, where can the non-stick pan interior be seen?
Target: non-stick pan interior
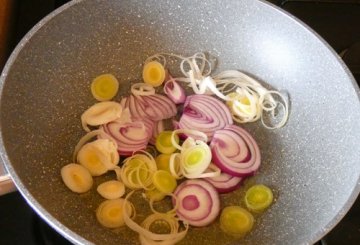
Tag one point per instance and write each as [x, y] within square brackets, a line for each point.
[312, 164]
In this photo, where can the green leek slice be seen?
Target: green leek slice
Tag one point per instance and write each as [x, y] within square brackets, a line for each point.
[154, 73]
[236, 221]
[258, 198]
[164, 181]
[163, 161]
[104, 87]
[163, 142]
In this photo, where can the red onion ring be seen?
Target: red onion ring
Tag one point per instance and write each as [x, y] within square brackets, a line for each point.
[198, 201]
[155, 107]
[123, 102]
[205, 113]
[144, 111]
[235, 151]
[130, 137]
[225, 183]
[135, 109]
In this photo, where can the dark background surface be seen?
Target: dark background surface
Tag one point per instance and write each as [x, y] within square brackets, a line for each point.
[338, 22]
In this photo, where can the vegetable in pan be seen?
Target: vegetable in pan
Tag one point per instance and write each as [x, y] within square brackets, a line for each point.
[236, 221]
[201, 158]
[258, 198]
[104, 87]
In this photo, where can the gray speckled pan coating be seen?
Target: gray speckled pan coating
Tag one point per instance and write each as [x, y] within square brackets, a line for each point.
[312, 164]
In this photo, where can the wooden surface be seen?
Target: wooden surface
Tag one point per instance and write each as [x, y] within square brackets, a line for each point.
[7, 9]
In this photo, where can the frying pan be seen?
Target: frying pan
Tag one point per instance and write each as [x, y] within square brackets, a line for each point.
[312, 164]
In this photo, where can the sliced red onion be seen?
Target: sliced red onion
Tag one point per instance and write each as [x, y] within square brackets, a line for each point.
[174, 91]
[198, 202]
[130, 137]
[158, 128]
[205, 113]
[149, 109]
[135, 108]
[163, 102]
[148, 123]
[144, 110]
[123, 102]
[155, 107]
[225, 183]
[235, 151]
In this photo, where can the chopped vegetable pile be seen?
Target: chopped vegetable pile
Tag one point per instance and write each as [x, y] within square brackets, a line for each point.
[200, 157]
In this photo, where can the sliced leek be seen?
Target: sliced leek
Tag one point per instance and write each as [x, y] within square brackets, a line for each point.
[104, 87]
[142, 89]
[175, 166]
[258, 198]
[76, 177]
[199, 136]
[173, 237]
[98, 156]
[164, 181]
[137, 171]
[195, 160]
[110, 213]
[101, 113]
[154, 73]
[163, 162]
[236, 221]
[164, 142]
[111, 189]
[155, 195]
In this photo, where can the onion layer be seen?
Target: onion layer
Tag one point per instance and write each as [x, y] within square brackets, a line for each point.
[235, 151]
[174, 91]
[225, 183]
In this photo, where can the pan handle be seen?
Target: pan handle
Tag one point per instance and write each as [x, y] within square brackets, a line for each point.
[6, 183]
